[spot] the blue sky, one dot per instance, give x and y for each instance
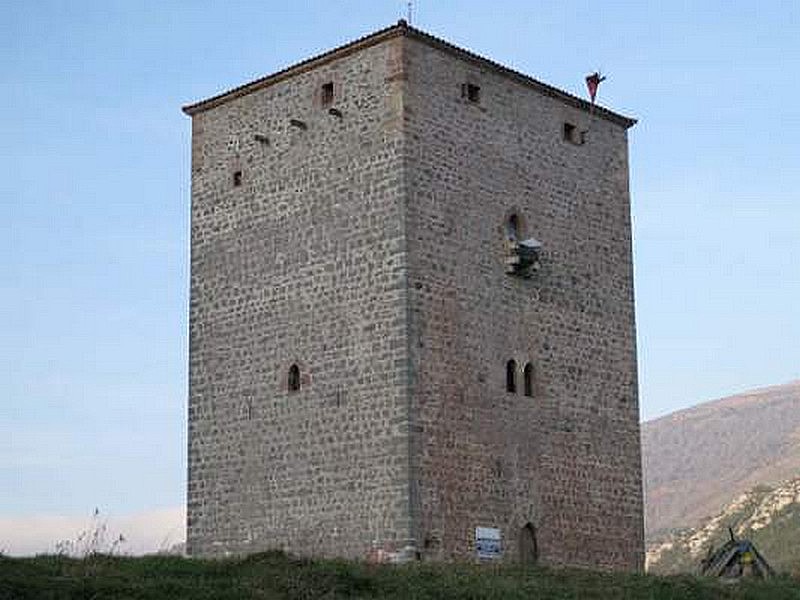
(94, 200)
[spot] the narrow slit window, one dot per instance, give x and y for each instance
(237, 178)
(327, 94)
(511, 376)
(294, 378)
(527, 375)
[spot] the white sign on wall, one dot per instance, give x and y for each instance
(488, 543)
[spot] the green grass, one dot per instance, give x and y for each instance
(276, 576)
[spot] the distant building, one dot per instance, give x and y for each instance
(412, 315)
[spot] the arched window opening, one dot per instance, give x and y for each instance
(527, 375)
(527, 545)
(511, 376)
(294, 378)
(512, 228)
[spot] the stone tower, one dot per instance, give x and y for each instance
(412, 317)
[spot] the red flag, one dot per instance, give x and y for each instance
(593, 82)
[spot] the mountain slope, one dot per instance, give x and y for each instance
(768, 516)
(697, 460)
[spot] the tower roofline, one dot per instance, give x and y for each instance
(402, 28)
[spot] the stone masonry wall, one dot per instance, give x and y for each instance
(303, 263)
(567, 461)
(369, 249)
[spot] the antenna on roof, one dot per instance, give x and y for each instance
(409, 11)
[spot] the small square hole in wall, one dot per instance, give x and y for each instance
(471, 92)
(572, 134)
(327, 93)
(237, 178)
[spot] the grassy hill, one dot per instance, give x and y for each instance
(276, 576)
(767, 515)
